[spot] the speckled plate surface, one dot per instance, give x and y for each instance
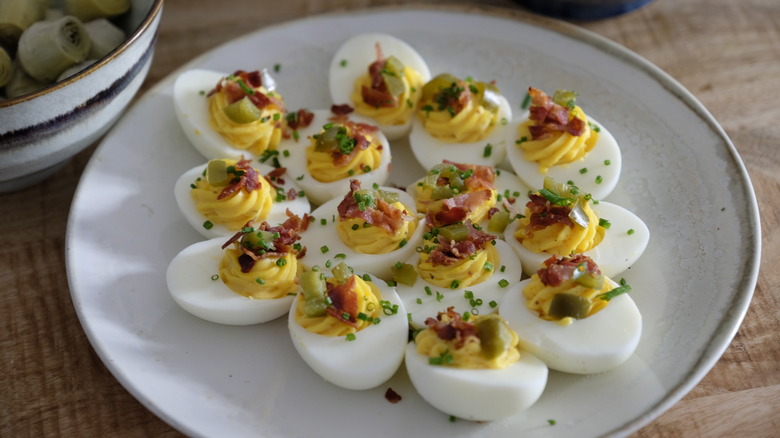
(681, 174)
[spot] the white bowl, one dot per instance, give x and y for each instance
(40, 131)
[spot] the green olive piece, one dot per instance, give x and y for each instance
(243, 111)
(565, 98)
(404, 273)
(342, 272)
(494, 335)
(263, 240)
(498, 221)
(392, 75)
(388, 196)
(569, 305)
(456, 232)
(217, 172)
(313, 287)
(328, 139)
(590, 280)
(440, 82)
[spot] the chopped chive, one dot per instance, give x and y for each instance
(351, 337)
(281, 262)
(208, 225)
(355, 227)
(599, 179)
(277, 67)
(488, 150)
(584, 170)
(454, 284)
(492, 304)
(526, 101)
(343, 63)
(504, 282)
(604, 223)
(630, 231)
(340, 255)
(487, 266)
(259, 281)
(402, 243)
(607, 162)
(215, 277)
(419, 300)
(324, 249)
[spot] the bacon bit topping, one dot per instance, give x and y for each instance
(344, 301)
(544, 213)
(450, 327)
(378, 95)
(557, 270)
(482, 177)
(251, 81)
(551, 117)
(449, 252)
(281, 246)
(300, 119)
(381, 214)
(341, 110)
(457, 208)
(246, 177)
(392, 396)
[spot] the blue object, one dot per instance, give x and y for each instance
(582, 9)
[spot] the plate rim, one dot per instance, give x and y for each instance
(712, 351)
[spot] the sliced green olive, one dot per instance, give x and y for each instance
(565, 98)
(590, 280)
(569, 305)
(498, 221)
(328, 139)
(243, 111)
(404, 273)
(313, 287)
(456, 232)
(388, 196)
(342, 272)
(392, 75)
(216, 173)
(438, 83)
(494, 334)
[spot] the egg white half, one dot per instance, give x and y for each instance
(190, 283)
(429, 150)
(319, 236)
(616, 252)
(583, 173)
(367, 361)
(352, 59)
(293, 157)
(594, 344)
(478, 395)
(508, 268)
(277, 215)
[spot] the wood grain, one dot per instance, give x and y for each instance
(727, 53)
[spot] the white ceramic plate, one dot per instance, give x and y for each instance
(681, 174)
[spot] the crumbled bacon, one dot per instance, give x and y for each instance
(482, 177)
(377, 95)
(344, 301)
(384, 215)
(249, 180)
(557, 270)
(450, 327)
(551, 117)
(449, 252)
(544, 213)
(392, 396)
(457, 208)
(301, 119)
(341, 110)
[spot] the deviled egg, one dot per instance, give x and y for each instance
(218, 198)
(472, 368)
(561, 220)
(248, 279)
(368, 228)
(460, 118)
(238, 115)
(381, 77)
(350, 329)
(456, 266)
(573, 317)
(330, 149)
(556, 138)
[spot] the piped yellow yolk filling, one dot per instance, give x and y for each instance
(236, 209)
(369, 296)
(365, 238)
(557, 148)
(269, 278)
(538, 297)
(463, 273)
(426, 204)
(561, 239)
(255, 137)
(407, 101)
(473, 123)
(321, 167)
(469, 355)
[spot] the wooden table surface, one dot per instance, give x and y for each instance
(726, 52)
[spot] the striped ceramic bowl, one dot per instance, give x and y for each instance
(40, 131)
